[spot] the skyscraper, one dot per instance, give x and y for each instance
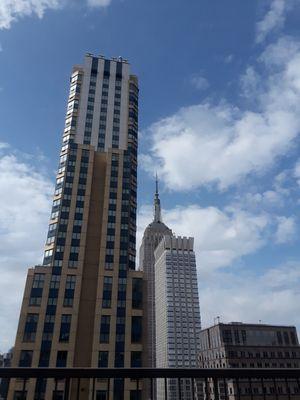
(152, 236)
(83, 306)
(177, 312)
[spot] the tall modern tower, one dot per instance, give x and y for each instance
(177, 312)
(152, 236)
(83, 306)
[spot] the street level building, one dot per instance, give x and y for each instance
(177, 312)
(239, 345)
(83, 306)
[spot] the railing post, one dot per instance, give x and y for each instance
(206, 389)
(151, 388)
(179, 388)
(225, 389)
(216, 388)
(78, 389)
(193, 388)
(108, 388)
(166, 389)
(55, 388)
(93, 389)
(263, 388)
(238, 389)
(67, 389)
(288, 389)
(250, 386)
(24, 389)
(137, 388)
(275, 386)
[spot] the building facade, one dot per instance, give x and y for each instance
(153, 234)
(239, 345)
(83, 306)
(177, 312)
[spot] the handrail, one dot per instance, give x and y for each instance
(229, 373)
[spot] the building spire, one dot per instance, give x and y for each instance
(157, 209)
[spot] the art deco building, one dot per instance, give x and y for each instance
(177, 312)
(152, 236)
(83, 306)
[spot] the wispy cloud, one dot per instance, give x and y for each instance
(199, 82)
(274, 18)
(98, 3)
(13, 10)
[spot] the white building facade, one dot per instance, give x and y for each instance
(178, 321)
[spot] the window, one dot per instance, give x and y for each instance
(25, 358)
(30, 327)
(70, 282)
(107, 289)
(136, 329)
(35, 301)
(54, 283)
(38, 281)
(65, 328)
(136, 359)
(137, 293)
(101, 395)
(61, 360)
(105, 329)
(103, 359)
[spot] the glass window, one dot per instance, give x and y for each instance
(103, 359)
(25, 358)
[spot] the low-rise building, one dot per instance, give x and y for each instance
(239, 345)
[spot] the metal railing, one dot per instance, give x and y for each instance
(203, 384)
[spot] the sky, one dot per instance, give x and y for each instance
(219, 122)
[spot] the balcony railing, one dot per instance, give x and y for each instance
(173, 383)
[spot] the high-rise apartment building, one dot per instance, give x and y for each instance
(239, 345)
(177, 312)
(153, 234)
(83, 306)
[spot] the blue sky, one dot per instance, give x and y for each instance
(219, 121)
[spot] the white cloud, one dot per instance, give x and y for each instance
(237, 293)
(271, 296)
(98, 3)
(274, 19)
(199, 82)
(221, 236)
(13, 10)
(24, 214)
(221, 144)
(286, 229)
(228, 59)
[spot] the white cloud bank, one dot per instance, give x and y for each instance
(272, 296)
(222, 238)
(221, 144)
(13, 10)
(24, 214)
